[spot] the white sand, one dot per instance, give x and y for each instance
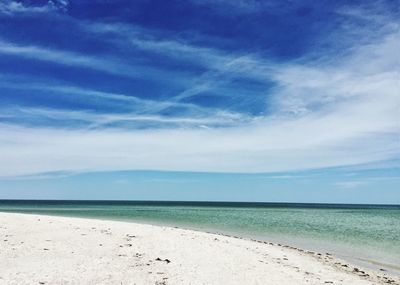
(56, 250)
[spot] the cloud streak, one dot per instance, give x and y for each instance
(130, 108)
(97, 120)
(10, 7)
(98, 63)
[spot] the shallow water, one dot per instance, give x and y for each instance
(365, 234)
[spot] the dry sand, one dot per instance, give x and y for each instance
(37, 249)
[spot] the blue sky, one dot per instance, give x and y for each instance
(105, 96)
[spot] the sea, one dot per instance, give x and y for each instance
(367, 235)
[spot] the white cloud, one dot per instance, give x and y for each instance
(273, 147)
(10, 7)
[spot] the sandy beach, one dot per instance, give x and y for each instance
(36, 249)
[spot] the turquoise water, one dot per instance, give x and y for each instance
(367, 234)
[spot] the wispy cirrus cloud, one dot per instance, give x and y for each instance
(233, 64)
(129, 108)
(352, 184)
(236, 7)
(366, 181)
(106, 65)
(220, 67)
(11, 7)
(97, 120)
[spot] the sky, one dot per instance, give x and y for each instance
(246, 100)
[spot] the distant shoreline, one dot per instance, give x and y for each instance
(70, 243)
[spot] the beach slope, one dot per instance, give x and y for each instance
(37, 249)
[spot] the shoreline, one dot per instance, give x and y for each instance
(329, 258)
(369, 264)
(356, 262)
(336, 271)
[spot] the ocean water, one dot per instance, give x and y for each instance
(368, 235)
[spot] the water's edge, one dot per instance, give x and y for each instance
(335, 261)
(365, 235)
